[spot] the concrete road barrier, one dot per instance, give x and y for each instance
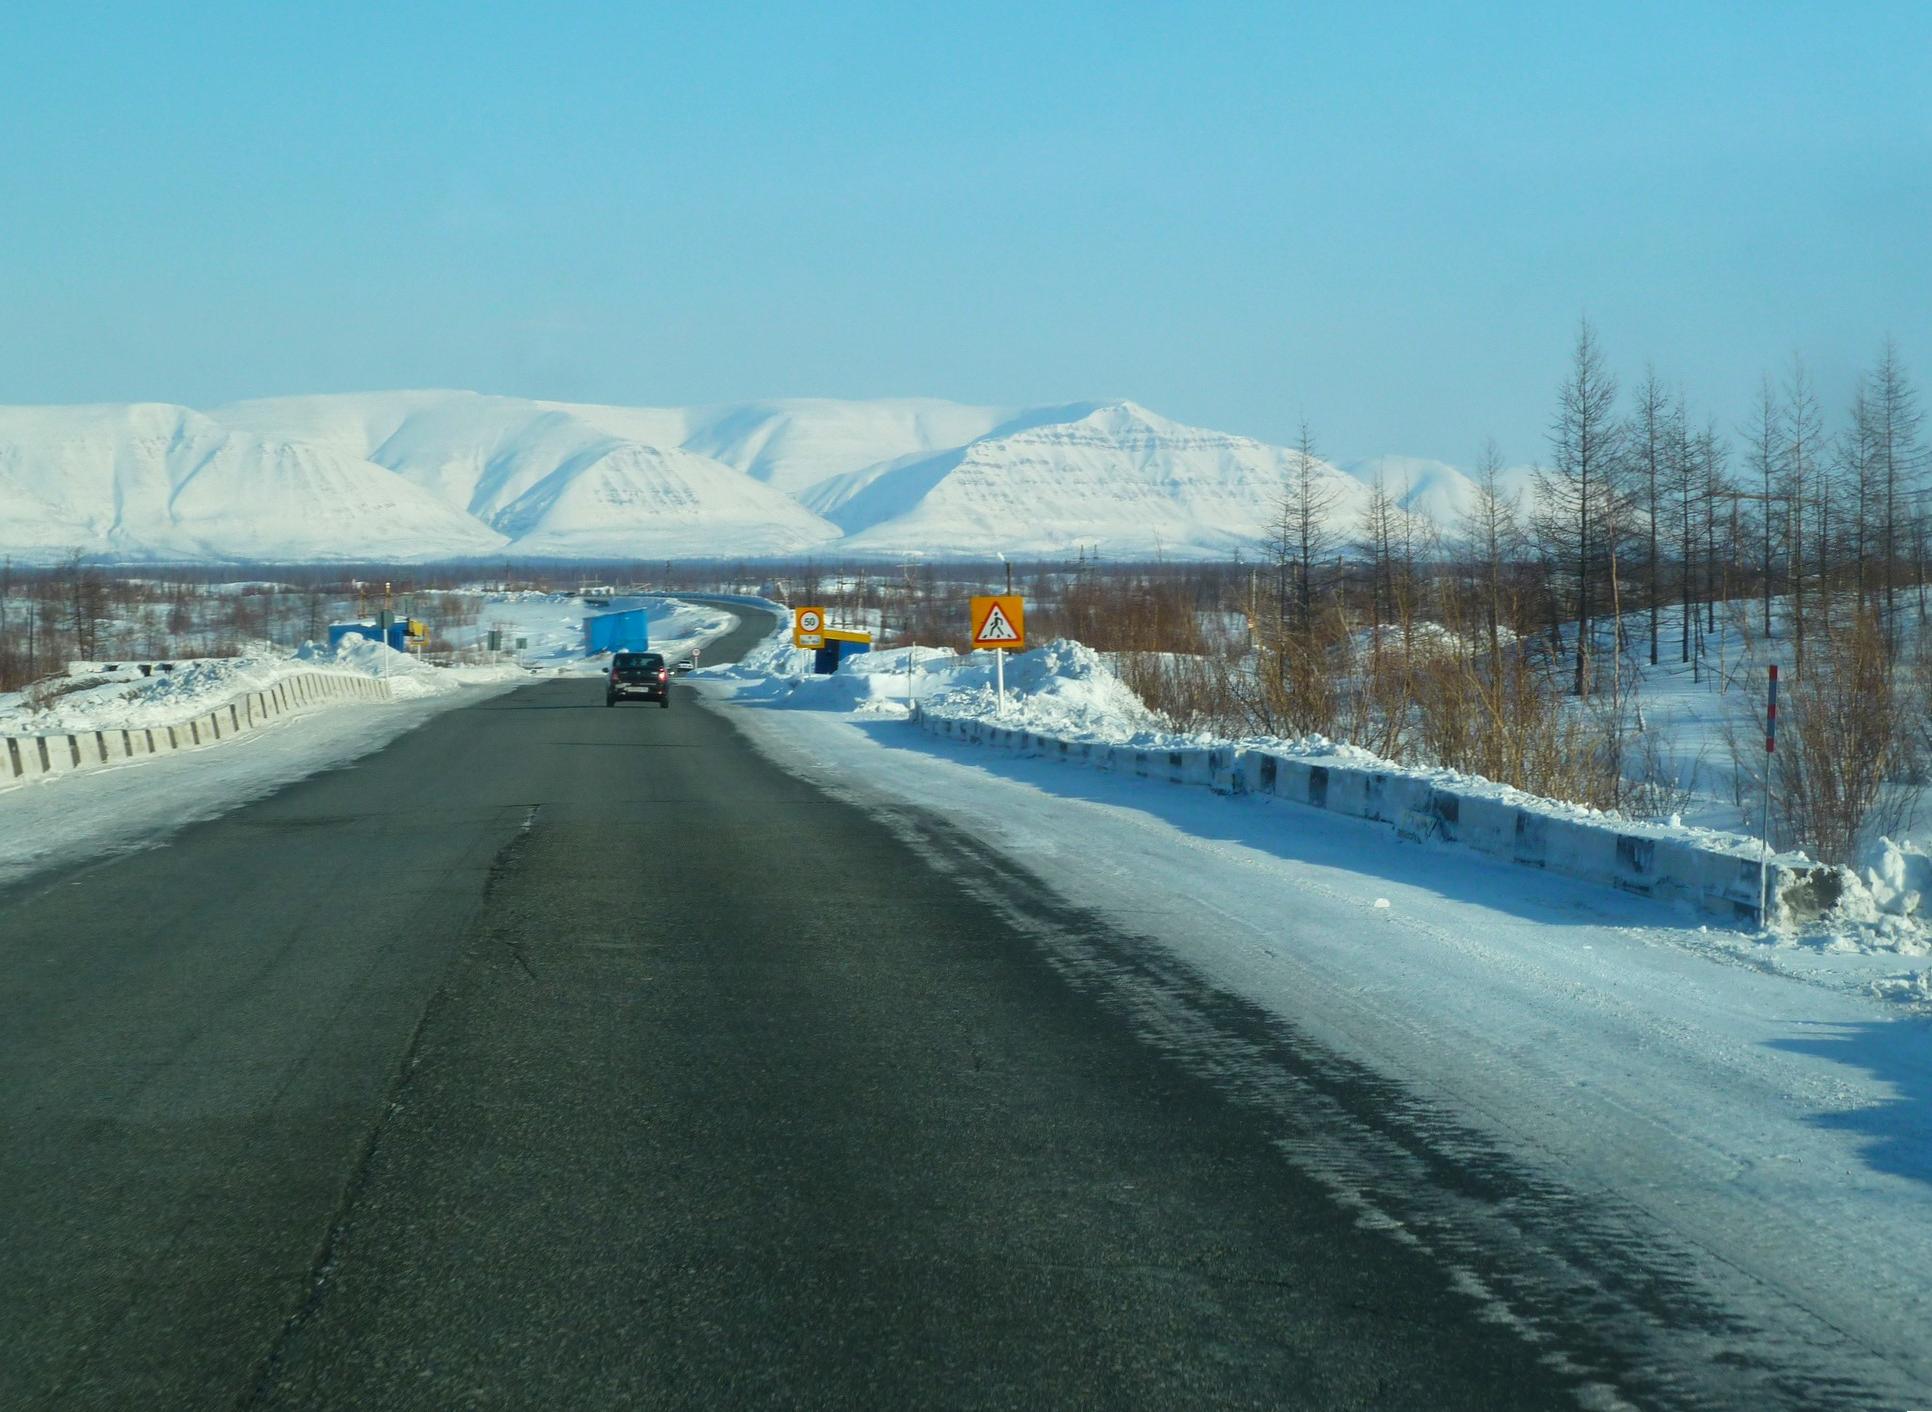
(27, 758)
(1714, 876)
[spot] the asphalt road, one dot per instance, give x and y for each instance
(559, 1056)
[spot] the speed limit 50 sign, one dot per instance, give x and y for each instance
(808, 627)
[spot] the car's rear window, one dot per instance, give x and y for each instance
(641, 661)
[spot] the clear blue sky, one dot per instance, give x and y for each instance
(1388, 217)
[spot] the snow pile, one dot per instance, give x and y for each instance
(123, 702)
(1063, 687)
(775, 673)
(1882, 902)
(409, 679)
(1426, 640)
(1914, 988)
(127, 702)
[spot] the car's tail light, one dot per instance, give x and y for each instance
(663, 676)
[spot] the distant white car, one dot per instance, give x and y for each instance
(683, 665)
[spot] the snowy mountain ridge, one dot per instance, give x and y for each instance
(419, 475)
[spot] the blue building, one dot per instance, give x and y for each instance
(628, 631)
(840, 643)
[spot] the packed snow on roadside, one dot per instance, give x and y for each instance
(1744, 1108)
(1062, 688)
(1066, 689)
(126, 702)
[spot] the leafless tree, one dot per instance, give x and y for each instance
(1763, 445)
(1378, 548)
(1892, 406)
(1576, 492)
(1803, 435)
(1305, 536)
(1649, 445)
(1491, 527)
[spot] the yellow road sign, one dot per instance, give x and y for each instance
(808, 627)
(999, 620)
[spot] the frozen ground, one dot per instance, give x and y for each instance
(1746, 1114)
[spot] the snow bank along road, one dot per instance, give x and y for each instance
(563, 1056)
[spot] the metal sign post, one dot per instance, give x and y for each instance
(1770, 752)
(999, 622)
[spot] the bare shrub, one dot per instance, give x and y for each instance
(1194, 691)
(1296, 688)
(1850, 727)
(1534, 737)
(1375, 692)
(1665, 786)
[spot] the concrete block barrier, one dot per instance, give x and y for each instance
(28, 758)
(1714, 878)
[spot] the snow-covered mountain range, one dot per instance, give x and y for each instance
(443, 475)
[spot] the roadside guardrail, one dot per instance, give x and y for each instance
(1711, 876)
(27, 758)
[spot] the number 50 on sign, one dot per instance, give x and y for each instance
(808, 627)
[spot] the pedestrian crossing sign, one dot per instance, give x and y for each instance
(999, 620)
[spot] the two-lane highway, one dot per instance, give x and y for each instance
(563, 1056)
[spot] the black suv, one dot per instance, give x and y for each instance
(638, 675)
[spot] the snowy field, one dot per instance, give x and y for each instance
(1748, 1111)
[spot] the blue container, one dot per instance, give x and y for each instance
(398, 633)
(628, 631)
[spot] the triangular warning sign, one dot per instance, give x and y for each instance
(996, 628)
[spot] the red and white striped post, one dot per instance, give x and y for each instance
(1770, 750)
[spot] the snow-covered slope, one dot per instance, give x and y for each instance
(442, 474)
(1118, 476)
(1434, 490)
(150, 480)
(480, 453)
(622, 500)
(793, 444)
